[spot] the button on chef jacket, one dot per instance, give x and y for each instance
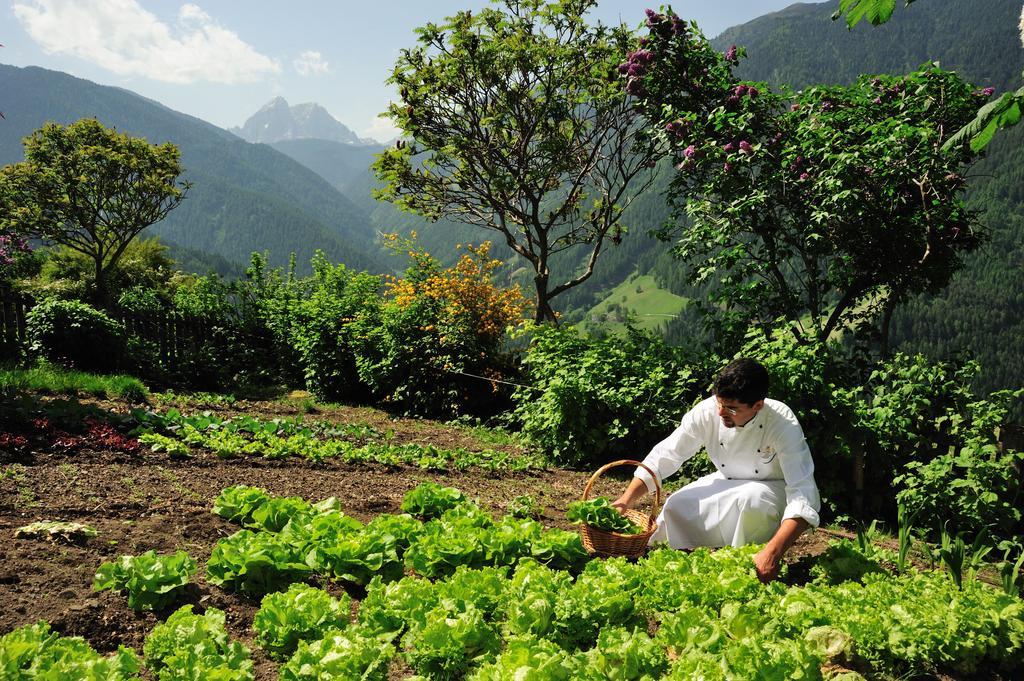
(721, 508)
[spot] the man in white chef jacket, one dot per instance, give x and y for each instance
(763, 487)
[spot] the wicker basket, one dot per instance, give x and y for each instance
(602, 542)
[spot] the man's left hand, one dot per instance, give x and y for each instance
(767, 563)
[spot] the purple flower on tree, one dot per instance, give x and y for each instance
(731, 53)
(746, 148)
(635, 87)
(641, 56)
(805, 176)
(690, 151)
(988, 91)
(676, 128)
(728, 147)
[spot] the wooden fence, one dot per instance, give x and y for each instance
(12, 324)
(171, 336)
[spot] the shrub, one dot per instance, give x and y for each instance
(976, 488)
(596, 399)
(906, 419)
(75, 334)
(438, 324)
(326, 325)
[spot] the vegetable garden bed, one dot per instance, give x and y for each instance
(150, 501)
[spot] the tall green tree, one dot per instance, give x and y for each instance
(817, 210)
(91, 189)
(516, 122)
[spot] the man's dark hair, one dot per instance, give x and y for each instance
(744, 380)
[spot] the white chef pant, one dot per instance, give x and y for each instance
(715, 511)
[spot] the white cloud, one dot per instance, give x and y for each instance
(381, 130)
(311, 63)
(121, 36)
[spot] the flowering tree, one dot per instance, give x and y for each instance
(819, 209)
(91, 189)
(1000, 113)
(12, 248)
(517, 122)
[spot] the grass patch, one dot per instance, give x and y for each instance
(638, 300)
(488, 435)
(54, 380)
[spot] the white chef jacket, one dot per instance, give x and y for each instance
(770, 447)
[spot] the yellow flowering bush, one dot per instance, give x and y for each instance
(438, 325)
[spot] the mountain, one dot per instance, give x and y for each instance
(244, 197)
(277, 121)
(345, 166)
(801, 45)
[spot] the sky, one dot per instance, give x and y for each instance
(221, 60)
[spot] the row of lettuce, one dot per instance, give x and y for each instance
(182, 436)
(455, 593)
(177, 434)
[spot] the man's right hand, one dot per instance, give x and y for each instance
(632, 496)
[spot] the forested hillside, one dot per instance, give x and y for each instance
(245, 197)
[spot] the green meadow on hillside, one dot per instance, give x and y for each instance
(638, 300)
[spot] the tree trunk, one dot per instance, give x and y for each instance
(544, 312)
(890, 306)
(99, 293)
(858, 481)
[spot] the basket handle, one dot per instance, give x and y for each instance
(628, 462)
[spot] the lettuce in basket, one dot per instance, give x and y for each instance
(600, 514)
